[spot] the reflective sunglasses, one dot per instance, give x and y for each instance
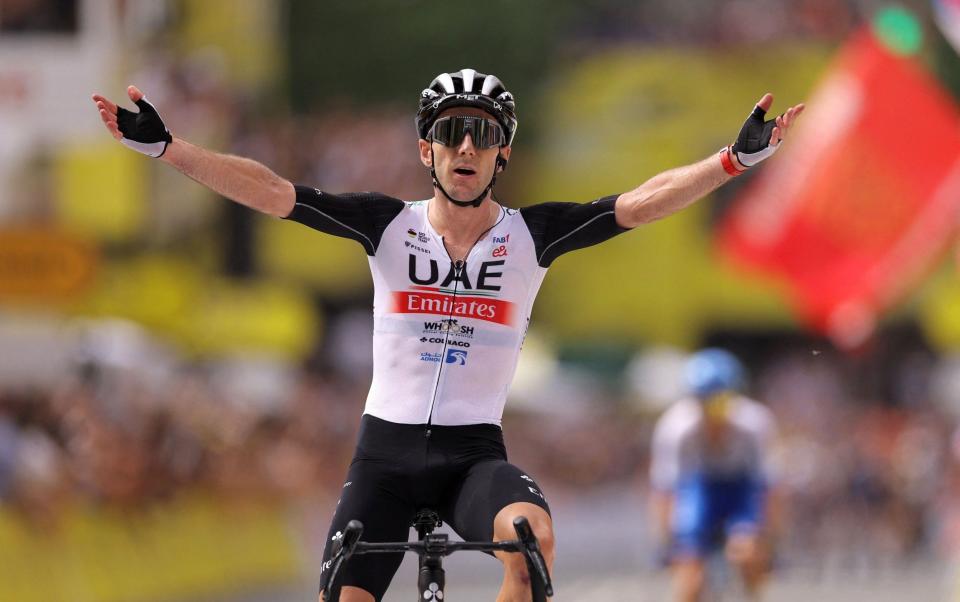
(450, 131)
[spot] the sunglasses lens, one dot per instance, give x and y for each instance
(441, 131)
(450, 131)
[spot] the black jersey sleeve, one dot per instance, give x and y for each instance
(561, 227)
(362, 216)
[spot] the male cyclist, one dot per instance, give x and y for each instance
(711, 473)
(454, 277)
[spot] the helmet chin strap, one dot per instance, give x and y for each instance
(475, 202)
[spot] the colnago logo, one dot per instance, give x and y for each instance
(432, 593)
(450, 342)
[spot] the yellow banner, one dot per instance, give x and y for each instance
(207, 314)
(190, 548)
(626, 116)
(101, 190)
(42, 264)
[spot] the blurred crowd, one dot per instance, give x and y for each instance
(870, 484)
(106, 436)
(869, 477)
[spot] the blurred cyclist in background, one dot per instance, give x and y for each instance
(712, 476)
(455, 277)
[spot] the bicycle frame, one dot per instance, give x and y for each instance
(431, 548)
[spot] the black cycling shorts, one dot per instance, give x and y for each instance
(460, 471)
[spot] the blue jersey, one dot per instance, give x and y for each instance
(718, 485)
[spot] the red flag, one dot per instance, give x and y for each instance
(864, 197)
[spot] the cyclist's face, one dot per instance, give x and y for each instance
(716, 413)
(464, 170)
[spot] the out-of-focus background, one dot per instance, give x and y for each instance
(181, 379)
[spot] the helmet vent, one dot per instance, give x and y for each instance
(468, 75)
(446, 81)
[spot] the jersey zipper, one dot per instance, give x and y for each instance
(458, 267)
(458, 270)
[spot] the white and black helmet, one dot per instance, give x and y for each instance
(467, 88)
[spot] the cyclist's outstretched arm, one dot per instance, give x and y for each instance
(242, 180)
(672, 190)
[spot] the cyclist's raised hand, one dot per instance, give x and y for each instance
(144, 132)
(759, 138)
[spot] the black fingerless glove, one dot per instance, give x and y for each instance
(145, 131)
(753, 142)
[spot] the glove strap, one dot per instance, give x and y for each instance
(727, 162)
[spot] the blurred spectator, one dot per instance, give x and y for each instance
(38, 16)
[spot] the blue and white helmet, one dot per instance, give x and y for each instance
(467, 88)
(713, 370)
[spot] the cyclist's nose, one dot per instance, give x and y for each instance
(466, 145)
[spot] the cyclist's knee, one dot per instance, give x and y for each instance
(745, 551)
(540, 523)
(538, 518)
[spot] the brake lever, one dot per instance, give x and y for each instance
(342, 550)
(531, 549)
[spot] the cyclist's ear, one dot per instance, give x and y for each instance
(426, 157)
(503, 155)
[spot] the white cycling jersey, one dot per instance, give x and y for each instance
(447, 337)
(681, 450)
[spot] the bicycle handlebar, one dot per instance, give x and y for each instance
(349, 544)
(420, 547)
